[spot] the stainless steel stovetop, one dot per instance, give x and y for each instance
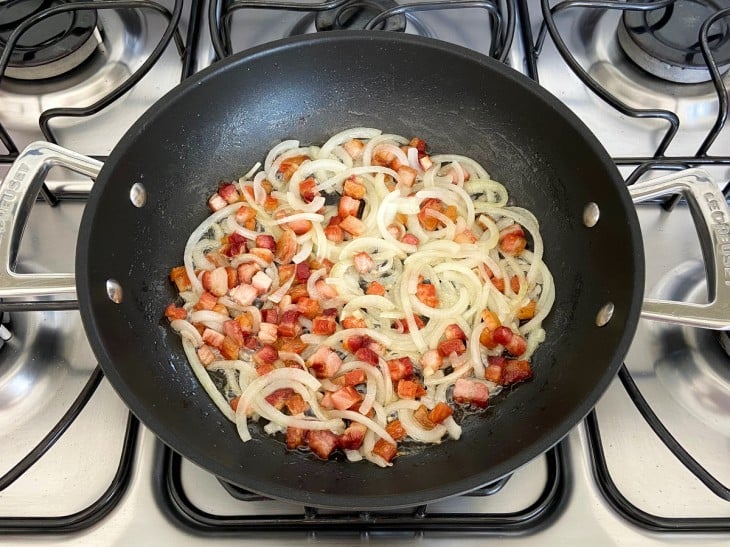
(612, 481)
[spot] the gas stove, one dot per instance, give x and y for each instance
(648, 466)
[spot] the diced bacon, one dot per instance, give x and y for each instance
(403, 324)
(289, 166)
(278, 398)
(491, 321)
(229, 193)
(287, 246)
(426, 293)
(453, 345)
(244, 214)
(216, 202)
(261, 282)
(345, 398)
(216, 281)
(512, 241)
(291, 345)
(419, 144)
(271, 203)
(516, 346)
(410, 389)
(297, 292)
(498, 283)
(382, 157)
(467, 236)
(425, 162)
(324, 325)
(400, 368)
(308, 307)
(354, 148)
(233, 330)
(440, 412)
(231, 277)
(528, 311)
(364, 263)
(502, 335)
(410, 239)
(421, 415)
(353, 323)
(307, 189)
(396, 430)
(179, 276)
(220, 308)
(206, 301)
(395, 230)
(245, 322)
(213, 338)
(266, 241)
(354, 189)
(514, 284)
(264, 254)
(353, 226)
(367, 355)
(334, 234)
(267, 333)
(302, 271)
(516, 371)
(326, 401)
(322, 442)
(325, 362)
(348, 207)
(431, 361)
(355, 342)
(266, 355)
(172, 312)
(353, 436)
(375, 288)
(407, 175)
(385, 450)
(246, 272)
(351, 378)
(300, 227)
(296, 404)
(289, 326)
(270, 315)
(244, 294)
(250, 341)
(218, 259)
(206, 355)
(454, 331)
(234, 403)
(495, 366)
(263, 370)
(295, 437)
(471, 392)
(230, 348)
(325, 290)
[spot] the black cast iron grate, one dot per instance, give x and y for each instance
(415, 521)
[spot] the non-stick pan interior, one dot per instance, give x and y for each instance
(220, 122)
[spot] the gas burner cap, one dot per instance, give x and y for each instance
(51, 47)
(356, 14)
(665, 41)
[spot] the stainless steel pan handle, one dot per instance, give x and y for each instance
(712, 217)
(18, 192)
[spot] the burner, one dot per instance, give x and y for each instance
(665, 41)
(53, 46)
(356, 14)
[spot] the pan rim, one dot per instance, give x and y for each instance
(349, 501)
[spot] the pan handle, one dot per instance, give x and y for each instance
(711, 214)
(18, 192)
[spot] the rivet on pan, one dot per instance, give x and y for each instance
(604, 314)
(138, 195)
(114, 291)
(591, 214)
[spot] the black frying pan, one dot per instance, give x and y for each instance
(221, 121)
